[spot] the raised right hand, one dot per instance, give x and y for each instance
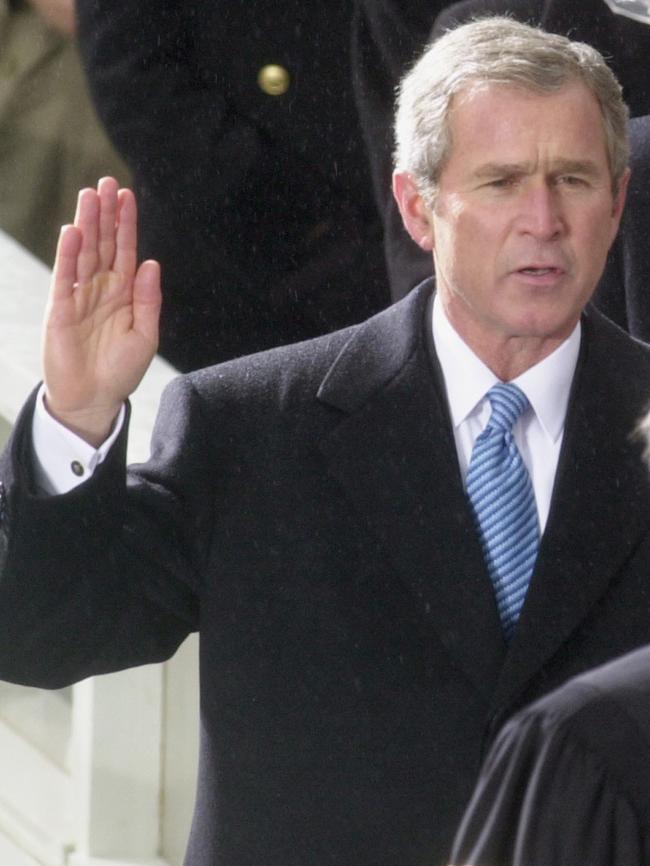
(101, 324)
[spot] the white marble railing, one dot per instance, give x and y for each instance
(106, 776)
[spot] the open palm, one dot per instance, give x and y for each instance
(101, 327)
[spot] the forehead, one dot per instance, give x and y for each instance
(504, 122)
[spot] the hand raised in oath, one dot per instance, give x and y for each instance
(101, 323)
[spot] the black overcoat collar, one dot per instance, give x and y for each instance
(394, 454)
(600, 509)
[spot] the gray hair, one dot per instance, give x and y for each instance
(496, 50)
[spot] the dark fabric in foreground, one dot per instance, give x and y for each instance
(568, 779)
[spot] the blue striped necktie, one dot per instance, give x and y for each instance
(503, 502)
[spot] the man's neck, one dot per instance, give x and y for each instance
(509, 357)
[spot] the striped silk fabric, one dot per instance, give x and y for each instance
(503, 502)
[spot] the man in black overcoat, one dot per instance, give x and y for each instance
(305, 509)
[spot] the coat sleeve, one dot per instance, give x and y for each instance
(106, 576)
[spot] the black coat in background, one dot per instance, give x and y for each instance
(388, 36)
(568, 779)
(259, 207)
(305, 511)
(623, 41)
(624, 289)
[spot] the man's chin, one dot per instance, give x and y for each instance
(540, 326)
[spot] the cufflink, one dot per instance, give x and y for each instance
(77, 468)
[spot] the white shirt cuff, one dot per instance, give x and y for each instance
(63, 461)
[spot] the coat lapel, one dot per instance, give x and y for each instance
(600, 507)
(394, 455)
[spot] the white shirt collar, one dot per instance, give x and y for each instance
(467, 379)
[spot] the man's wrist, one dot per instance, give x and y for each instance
(94, 426)
(62, 460)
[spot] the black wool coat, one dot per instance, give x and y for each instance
(304, 510)
(622, 293)
(258, 205)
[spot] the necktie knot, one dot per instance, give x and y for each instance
(508, 403)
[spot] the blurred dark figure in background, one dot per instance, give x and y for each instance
(623, 36)
(622, 293)
(51, 141)
(388, 35)
(606, 24)
(567, 780)
(239, 124)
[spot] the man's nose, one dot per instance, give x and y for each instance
(541, 211)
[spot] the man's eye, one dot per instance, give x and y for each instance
(570, 180)
(502, 182)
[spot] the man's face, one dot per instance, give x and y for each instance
(525, 213)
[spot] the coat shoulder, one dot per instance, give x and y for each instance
(289, 376)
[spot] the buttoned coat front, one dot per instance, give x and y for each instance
(304, 510)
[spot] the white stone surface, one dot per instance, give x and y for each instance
(43, 719)
(11, 855)
(133, 740)
(35, 801)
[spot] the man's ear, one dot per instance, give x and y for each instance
(416, 216)
(619, 205)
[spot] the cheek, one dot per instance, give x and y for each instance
(451, 256)
(470, 244)
(598, 232)
(593, 249)
(459, 236)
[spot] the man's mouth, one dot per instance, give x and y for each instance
(540, 272)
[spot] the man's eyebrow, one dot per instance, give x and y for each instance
(558, 166)
(492, 169)
(576, 166)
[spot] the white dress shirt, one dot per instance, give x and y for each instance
(63, 460)
(538, 432)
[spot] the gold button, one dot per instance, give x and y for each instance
(273, 79)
